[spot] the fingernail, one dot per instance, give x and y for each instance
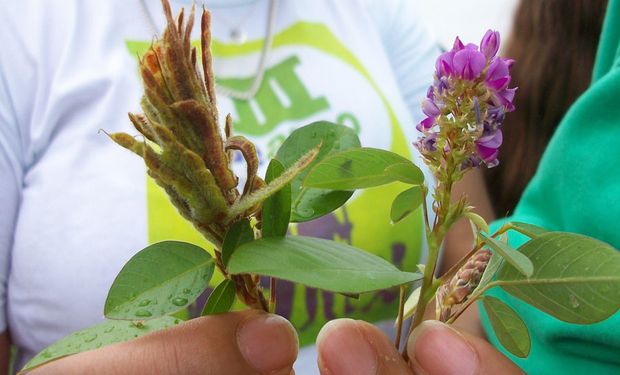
(268, 343)
(435, 348)
(344, 350)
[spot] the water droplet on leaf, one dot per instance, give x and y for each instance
(187, 291)
(573, 301)
(109, 329)
(179, 301)
(145, 302)
(143, 313)
(90, 338)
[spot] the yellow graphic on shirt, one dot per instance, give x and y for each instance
(364, 222)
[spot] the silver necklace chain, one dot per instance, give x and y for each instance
(262, 61)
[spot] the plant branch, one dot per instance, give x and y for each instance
(401, 318)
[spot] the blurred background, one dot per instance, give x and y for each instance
(468, 19)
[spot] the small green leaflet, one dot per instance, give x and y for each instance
(100, 335)
(512, 256)
(478, 221)
(318, 263)
(160, 279)
(361, 168)
(221, 299)
(310, 203)
(529, 230)
(576, 278)
(276, 212)
(239, 233)
(493, 266)
(405, 203)
(510, 330)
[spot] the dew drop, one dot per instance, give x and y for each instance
(90, 338)
(573, 301)
(109, 329)
(187, 291)
(144, 302)
(143, 313)
(179, 301)
(132, 297)
(305, 212)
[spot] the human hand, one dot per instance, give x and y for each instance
(349, 347)
(242, 343)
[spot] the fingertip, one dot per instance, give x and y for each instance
(268, 343)
(435, 348)
(344, 349)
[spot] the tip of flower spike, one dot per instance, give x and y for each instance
(490, 43)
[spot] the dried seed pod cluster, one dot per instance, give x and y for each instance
(452, 295)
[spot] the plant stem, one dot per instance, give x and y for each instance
(434, 238)
(401, 313)
(272, 294)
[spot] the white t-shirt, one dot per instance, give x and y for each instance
(74, 207)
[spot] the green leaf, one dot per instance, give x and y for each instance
(478, 221)
(318, 263)
(100, 335)
(239, 233)
(276, 212)
(405, 203)
(407, 172)
(160, 279)
(576, 278)
(512, 256)
(529, 230)
(508, 326)
(493, 266)
(221, 299)
(357, 168)
(247, 202)
(310, 203)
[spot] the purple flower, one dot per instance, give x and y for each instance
(468, 63)
(430, 108)
(443, 66)
(490, 44)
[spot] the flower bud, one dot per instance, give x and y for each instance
(490, 44)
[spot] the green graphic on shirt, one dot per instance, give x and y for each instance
(363, 222)
(282, 97)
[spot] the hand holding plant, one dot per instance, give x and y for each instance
(316, 171)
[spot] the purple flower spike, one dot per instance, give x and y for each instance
(466, 106)
(469, 63)
(490, 44)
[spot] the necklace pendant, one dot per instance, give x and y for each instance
(238, 36)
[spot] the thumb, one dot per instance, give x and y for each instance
(437, 349)
(240, 343)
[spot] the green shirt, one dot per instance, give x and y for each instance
(577, 189)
